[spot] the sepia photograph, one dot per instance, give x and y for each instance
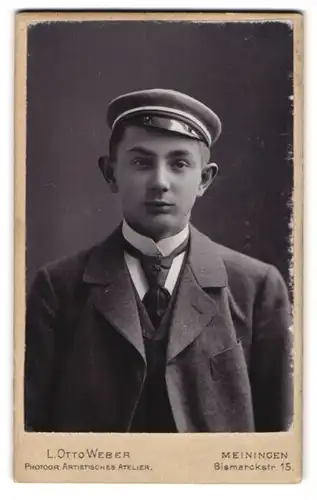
(157, 264)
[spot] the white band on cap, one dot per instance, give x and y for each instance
(170, 111)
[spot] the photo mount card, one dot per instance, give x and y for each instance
(122, 122)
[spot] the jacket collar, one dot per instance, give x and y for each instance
(106, 260)
(206, 264)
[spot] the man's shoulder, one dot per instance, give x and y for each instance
(235, 262)
(247, 273)
(73, 263)
(69, 270)
(247, 277)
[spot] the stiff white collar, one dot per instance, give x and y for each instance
(148, 246)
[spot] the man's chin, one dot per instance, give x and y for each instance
(159, 226)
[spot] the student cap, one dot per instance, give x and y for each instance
(166, 109)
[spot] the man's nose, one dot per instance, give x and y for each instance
(160, 176)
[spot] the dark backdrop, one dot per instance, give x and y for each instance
(243, 71)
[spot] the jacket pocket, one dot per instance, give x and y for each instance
(230, 361)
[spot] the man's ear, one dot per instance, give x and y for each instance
(208, 174)
(107, 170)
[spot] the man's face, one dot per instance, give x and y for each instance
(158, 176)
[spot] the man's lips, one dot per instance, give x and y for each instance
(158, 203)
(158, 206)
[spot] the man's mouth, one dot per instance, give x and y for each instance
(158, 206)
(158, 203)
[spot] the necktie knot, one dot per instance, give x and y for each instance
(155, 267)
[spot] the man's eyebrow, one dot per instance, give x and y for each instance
(141, 150)
(144, 151)
(179, 152)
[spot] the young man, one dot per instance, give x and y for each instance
(158, 329)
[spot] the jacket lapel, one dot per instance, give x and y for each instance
(194, 308)
(112, 290)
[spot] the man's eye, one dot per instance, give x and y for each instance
(180, 164)
(141, 162)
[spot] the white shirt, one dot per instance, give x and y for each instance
(149, 247)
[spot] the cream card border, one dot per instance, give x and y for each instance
(184, 458)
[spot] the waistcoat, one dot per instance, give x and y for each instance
(153, 412)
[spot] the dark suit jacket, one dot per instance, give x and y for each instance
(228, 355)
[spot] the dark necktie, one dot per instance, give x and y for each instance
(156, 268)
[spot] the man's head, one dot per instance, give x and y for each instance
(159, 159)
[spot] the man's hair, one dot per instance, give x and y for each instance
(115, 139)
